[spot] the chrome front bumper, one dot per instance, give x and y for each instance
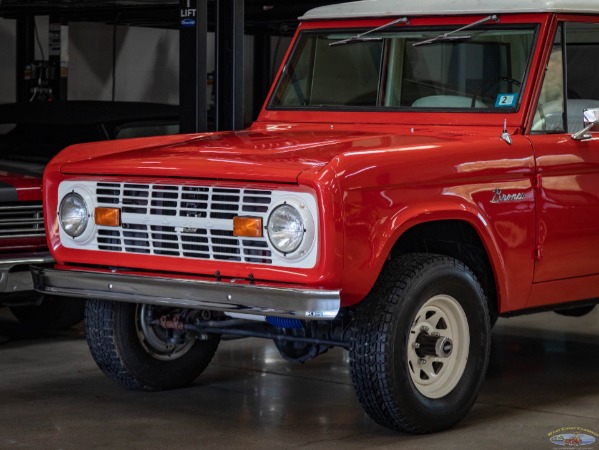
(14, 271)
(298, 303)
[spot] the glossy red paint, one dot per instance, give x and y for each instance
(355, 241)
(400, 170)
(461, 174)
(567, 208)
(261, 155)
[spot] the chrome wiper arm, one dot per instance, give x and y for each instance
(360, 37)
(448, 36)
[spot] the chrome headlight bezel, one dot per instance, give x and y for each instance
(85, 206)
(73, 214)
(305, 226)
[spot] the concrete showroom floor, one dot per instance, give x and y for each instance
(543, 380)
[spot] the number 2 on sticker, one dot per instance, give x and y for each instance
(506, 100)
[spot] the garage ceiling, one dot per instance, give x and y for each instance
(158, 13)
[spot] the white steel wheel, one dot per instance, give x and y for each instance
(420, 344)
(443, 319)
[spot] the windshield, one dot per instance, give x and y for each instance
(484, 70)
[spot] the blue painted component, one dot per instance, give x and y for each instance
(283, 322)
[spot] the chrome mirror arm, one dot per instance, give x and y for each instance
(590, 120)
(582, 134)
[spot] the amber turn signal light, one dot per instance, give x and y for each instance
(247, 226)
(109, 217)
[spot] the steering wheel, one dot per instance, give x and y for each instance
(489, 81)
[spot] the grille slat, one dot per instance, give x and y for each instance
(21, 221)
(184, 221)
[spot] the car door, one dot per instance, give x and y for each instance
(568, 169)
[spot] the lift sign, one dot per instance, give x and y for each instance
(188, 15)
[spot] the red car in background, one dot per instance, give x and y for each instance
(30, 135)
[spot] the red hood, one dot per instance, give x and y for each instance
(277, 156)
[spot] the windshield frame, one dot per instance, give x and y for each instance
(286, 116)
(302, 38)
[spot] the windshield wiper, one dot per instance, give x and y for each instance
(360, 37)
(449, 36)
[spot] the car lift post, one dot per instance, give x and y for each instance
(193, 32)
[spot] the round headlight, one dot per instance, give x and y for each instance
(74, 215)
(285, 229)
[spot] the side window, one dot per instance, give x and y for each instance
(582, 53)
(569, 86)
(550, 108)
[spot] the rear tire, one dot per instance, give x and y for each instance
(136, 353)
(579, 311)
(420, 344)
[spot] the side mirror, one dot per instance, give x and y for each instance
(591, 123)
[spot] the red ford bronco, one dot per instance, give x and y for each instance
(418, 169)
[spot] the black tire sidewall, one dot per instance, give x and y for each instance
(441, 279)
(380, 337)
(131, 364)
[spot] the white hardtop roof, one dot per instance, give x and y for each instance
(395, 8)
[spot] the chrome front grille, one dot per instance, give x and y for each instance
(21, 221)
(182, 221)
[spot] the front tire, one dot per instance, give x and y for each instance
(136, 352)
(420, 344)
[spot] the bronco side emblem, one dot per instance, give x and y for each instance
(499, 196)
